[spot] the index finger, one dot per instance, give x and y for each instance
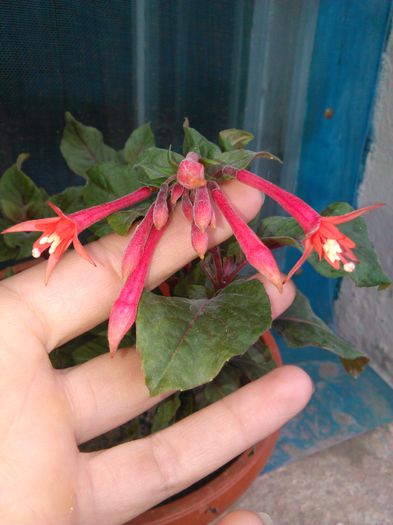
(79, 296)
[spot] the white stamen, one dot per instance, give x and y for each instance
(55, 243)
(349, 267)
(35, 253)
(43, 240)
(332, 249)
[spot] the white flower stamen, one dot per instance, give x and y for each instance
(349, 267)
(55, 240)
(35, 253)
(332, 249)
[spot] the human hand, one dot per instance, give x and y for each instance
(45, 413)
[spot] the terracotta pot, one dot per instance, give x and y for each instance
(206, 503)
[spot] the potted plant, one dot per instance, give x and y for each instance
(211, 303)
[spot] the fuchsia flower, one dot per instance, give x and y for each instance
(322, 235)
(59, 232)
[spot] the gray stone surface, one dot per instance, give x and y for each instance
(365, 316)
(348, 484)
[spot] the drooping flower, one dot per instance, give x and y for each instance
(257, 254)
(321, 233)
(59, 232)
(124, 309)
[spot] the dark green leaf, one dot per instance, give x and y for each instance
(300, 327)
(240, 158)
(154, 164)
(255, 363)
(232, 139)
(184, 343)
(20, 243)
(225, 383)
(109, 181)
(140, 139)
(165, 413)
(122, 221)
(69, 200)
(20, 198)
(83, 146)
(194, 141)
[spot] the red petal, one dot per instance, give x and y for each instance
(79, 248)
(57, 210)
(31, 226)
(339, 219)
(308, 248)
(55, 257)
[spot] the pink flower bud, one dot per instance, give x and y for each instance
(191, 174)
(202, 209)
(176, 192)
(186, 206)
(161, 210)
(253, 248)
(125, 307)
(134, 250)
(199, 241)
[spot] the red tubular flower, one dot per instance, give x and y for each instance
(331, 244)
(321, 233)
(134, 250)
(124, 309)
(257, 254)
(59, 232)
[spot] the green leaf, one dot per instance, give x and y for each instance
(184, 343)
(20, 243)
(139, 140)
(109, 181)
(69, 200)
(83, 146)
(255, 363)
(299, 326)
(233, 139)
(369, 271)
(225, 383)
(20, 198)
(194, 141)
(154, 164)
(240, 158)
(281, 231)
(122, 221)
(165, 413)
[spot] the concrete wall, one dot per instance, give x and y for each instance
(365, 316)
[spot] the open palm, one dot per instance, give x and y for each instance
(45, 413)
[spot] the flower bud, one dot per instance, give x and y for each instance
(186, 206)
(191, 174)
(161, 210)
(202, 209)
(199, 240)
(176, 192)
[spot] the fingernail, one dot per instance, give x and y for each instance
(267, 520)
